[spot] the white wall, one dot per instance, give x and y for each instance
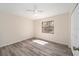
(14, 29)
(61, 29)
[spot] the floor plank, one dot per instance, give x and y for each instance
(30, 48)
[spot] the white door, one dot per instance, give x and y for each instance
(75, 31)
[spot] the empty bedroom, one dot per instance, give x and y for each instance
(38, 29)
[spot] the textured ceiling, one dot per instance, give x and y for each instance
(49, 9)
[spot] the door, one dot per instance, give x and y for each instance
(75, 31)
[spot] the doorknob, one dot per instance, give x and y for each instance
(76, 48)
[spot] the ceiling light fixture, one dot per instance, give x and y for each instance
(34, 10)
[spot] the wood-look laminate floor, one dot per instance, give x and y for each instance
(30, 48)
